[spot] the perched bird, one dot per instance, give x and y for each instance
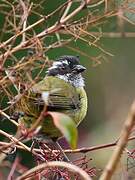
(63, 89)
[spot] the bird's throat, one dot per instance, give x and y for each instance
(76, 80)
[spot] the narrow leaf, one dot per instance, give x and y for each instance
(66, 126)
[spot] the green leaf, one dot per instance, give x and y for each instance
(66, 126)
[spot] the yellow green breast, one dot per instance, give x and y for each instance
(63, 94)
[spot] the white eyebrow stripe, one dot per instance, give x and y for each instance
(57, 63)
(65, 62)
(53, 67)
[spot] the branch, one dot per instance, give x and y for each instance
(66, 18)
(41, 167)
(8, 117)
(115, 34)
(121, 144)
(14, 141)
(79, 150)
(56, 27)
(38, 121)
(67, 9)
(33, 25)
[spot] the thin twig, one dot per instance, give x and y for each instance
(14, 165)
(33, 25)
(8, 117)
(79, 150)
(38, 121)
(96, 4)
(121, 144)
(14, 140)
(83, 4)
(56, 27)
(41, 167)
(115, 34)
(67, 9)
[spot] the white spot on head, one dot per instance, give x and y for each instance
(57, 63)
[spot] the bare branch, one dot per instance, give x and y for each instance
(79, 150)
(121, 144)
(41, 167)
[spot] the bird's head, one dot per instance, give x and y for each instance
(69, 69)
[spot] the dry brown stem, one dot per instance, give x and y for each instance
(79, 150)
(41, 167)
(121, 144)
(52, 29)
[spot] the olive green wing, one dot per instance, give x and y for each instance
(57, 94)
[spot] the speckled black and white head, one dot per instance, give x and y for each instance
(69, 69)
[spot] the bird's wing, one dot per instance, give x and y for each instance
(57, 94)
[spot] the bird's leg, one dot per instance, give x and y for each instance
(65, 158)
(47, 145)
(37, 141)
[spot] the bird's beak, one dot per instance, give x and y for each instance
(79, 68)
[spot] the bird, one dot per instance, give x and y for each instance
(63, 91)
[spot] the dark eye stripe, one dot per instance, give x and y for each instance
(64, 64)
